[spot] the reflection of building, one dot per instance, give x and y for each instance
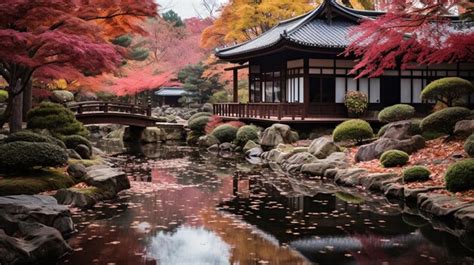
(169, 96)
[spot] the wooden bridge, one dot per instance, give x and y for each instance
(98, 112)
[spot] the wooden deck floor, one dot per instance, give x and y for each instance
(298, 120)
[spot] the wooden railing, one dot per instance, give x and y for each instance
(261, 110)
(104, 107)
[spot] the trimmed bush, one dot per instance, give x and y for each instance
(460, 176)
(199, 114)
(72, 141)
(199, 124)
(356, 102)
(398, 112)
(416, 173)
(353, 130)
(469, 145)
(28, 136)
(18, 156)
(247, 133)
(443, 121)
(56, 118)
(3, 96)
(393, 158)
(225, 133)
(447, 90)
(415, 128)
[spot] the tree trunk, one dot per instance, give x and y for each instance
(16, 118)
(27, 99)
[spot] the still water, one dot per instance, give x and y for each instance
(190, 207)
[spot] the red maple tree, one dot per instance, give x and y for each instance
(413, 33)
(61, 39)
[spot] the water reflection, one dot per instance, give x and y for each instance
(189, 207)
(188, 245)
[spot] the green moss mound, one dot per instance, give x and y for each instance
(29, 136)
(353, 130)
(21, 156)
(199, 114)
(36, 182)
(56, 118)
(199, 124)
(3, 96)
(398, 112)
(72, 141)
(225, 133)
(449, 90)
(416, 173)
(247, 133)
(393, 158)
(443, 121)
(469, 145)
(460, 176)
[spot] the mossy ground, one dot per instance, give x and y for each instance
(87, 162)
(37, 181)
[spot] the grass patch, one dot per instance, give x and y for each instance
(38, 181)
(87, 162)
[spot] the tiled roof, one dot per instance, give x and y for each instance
(319, 33)
(170, 91)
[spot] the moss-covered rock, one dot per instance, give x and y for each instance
(225, 133)
(416, 173)
(469, 145)
(20, 156)
(393, 158)
(247, 133)
(35, 182)
(72, 141)
(445, 120)
(460, 176)
(56, 118)
(398, 112)
(353, 130)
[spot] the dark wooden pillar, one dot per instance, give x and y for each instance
(306, 87)
(236, 85)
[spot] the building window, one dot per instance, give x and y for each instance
(271, 91)
(295, 86)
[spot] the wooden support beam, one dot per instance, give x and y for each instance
(236, 85)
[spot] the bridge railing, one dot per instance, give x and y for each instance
(104, 107)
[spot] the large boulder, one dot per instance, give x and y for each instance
(152, 135)
(83, 151)
(62, 96)
(110, 180)
(397, 136)
(249, 145)
(323, 147)
(34, 208)
(278, 134)
(318, 167)
(77, 171)
(81, 198)
(207, 141)
(294, 163)
(464, 128)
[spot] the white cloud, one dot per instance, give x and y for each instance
(185, 8)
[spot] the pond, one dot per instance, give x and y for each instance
(187, 206)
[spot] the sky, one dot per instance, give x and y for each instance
(185, 8)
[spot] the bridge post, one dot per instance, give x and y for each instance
(106, 107)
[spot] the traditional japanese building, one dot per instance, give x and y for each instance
(297, 70)
(169, 96)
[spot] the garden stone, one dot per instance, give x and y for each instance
(207, 141)
(464, 128)
(278, 134)
(37, 208)
(254, 152)
(77, 171)
(465, 217)
(207, 107)
(75, 198)
(439, 205)
(323, 147)
(297, 160)
(249, 145)
(152, 135)
(394, 190)
(62, 96)
(350, 176)
(107, 179)
(287, 154)
(376, 149)
(214, 148)
(272, 155)
(71, 153)
(227, 147)
(412, 194)
(399, 130)
(319, 167)
(375, 181)
(3, 137)
(83, 151)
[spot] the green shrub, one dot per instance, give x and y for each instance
(469, 145)
(72, 141)
(56, 118)
(398, 112)
(393, 158)
(28, 136)
(3, 96)
(247, 133)
(415, 128)
(443, 121)
(35, 182)
(356, 102)
(448, 90)
(199, 114)
(18, 156)
(416, 173)
(354, 130)
(199, 124)
(225, 133)
(460, 176)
